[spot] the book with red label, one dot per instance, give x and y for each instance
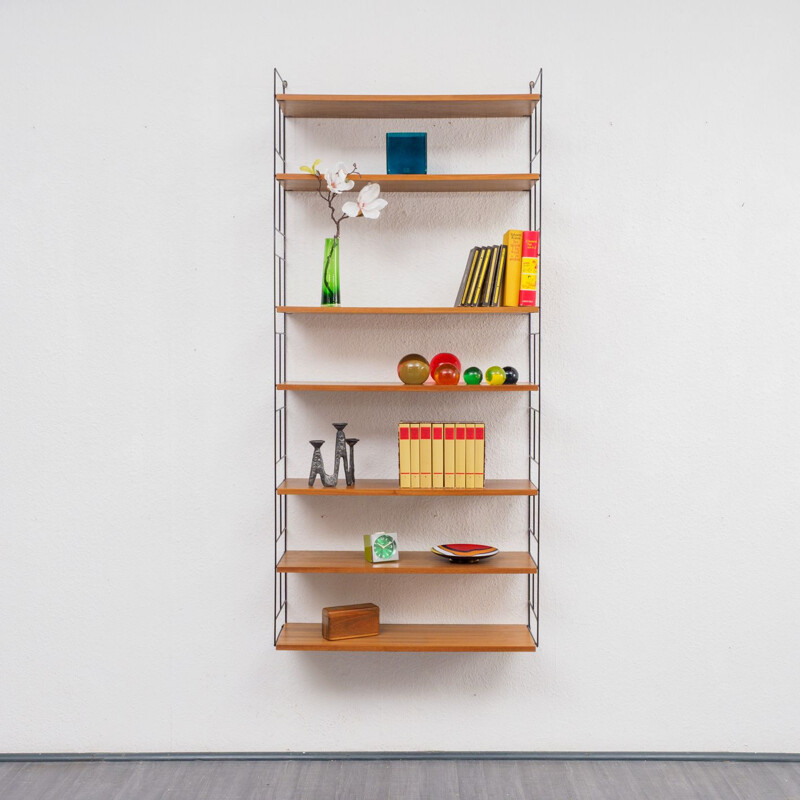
(461, 455)
(513, 242)
(413, 428)
(404, 442)
(479, 455)
(469, 461)
(529, 270)
(437, 455)
(425, 455)
(449, 455)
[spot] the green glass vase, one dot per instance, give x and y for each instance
(330, 274)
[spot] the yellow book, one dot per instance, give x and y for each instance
(480, 429)
(469, 458)
(405, 455)
(461, 455)
(485, 297)
(513, 242)
(466, 282)
(528, 281)
(413, 429)
(449, 455)
(437, 455)
(530, 268)
(425, 455)
(501, 272)
(480, 272)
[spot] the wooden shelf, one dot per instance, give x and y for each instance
(302, 182)
(313, 386)
(407, 106)
(413, 639)
(387, 486)
(376, 310)
(411, 563)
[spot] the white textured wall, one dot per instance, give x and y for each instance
(135, 252)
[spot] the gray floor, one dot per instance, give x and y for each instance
(404, 780)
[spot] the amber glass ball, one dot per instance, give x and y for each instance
(473, 376)
(512, 376)
(445, 358)
(413, 369)
(495, 376)
(446, 374)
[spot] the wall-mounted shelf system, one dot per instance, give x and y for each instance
(396, 637)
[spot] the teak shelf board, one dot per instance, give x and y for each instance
(385, 486)
(411, 563)
(413, 638)
(313, 386)
(407, 106)
(342, 310)
(302, 182)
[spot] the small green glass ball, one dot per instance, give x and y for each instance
(512, 376)
(472, 375)
(495, 376)
(413, 369)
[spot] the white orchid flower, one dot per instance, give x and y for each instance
(337, 179)
(368, 204)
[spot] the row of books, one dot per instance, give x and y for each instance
(502, 274)
(441, 455)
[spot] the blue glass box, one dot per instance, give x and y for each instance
(406, 153)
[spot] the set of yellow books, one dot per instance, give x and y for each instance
(504, 274)
(441, 455)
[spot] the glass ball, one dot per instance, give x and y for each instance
(473, 376)
(444, 358)
(495, 376)
(413, 369)
(446, 374)
(512, 376)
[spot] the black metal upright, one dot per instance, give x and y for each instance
(534, 361)
(279, 329)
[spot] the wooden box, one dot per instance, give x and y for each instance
(350, 622)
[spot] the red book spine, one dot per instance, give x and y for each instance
(530, 244)
(529, 273)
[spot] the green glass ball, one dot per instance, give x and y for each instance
(413, 369)
(495, 376)
(512, 376)
(473, 376)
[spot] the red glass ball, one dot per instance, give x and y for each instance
(446, 374)
(445, 358)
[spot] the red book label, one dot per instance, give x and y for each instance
(404, 433)
(461, 433)
(530, 244)
(425, 433)
(449, 433)
(437, 433)
(479, 433)
(415, 433)
(470, 431)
